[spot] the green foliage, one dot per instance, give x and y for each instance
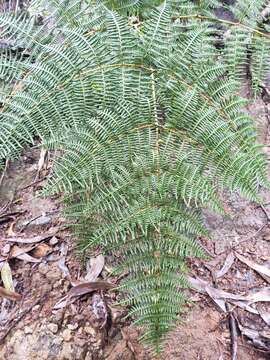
(247, 43)
(146, 117)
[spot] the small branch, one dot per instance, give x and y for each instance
(32, 184)
(234, 334)
(265, 211)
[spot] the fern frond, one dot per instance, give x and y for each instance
(249, 11)
(260, 64)
(149, 127)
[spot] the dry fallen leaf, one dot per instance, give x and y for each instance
(261, 269)
(95, 267)
(204, 286)
(28, 258)
(22, 253)
(262, 295)
(41, 250)
(226, 267)
(219, 296)
(7, 294)
(245, 306)
(89, 287)
(33, 240)
(80, 290)
(265, 316)
(17, 251)
(6, 276)
(260, 340)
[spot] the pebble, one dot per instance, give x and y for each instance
(57, 284)
(90, 330)
(43, 268)
(53, 328)
(72, 326)
(67, 335)
(28, 330)
(79, 342)
(42, 220)
(53, 241)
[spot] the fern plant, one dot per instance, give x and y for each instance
(143, 106)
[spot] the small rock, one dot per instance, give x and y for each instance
(53, 328)
(56, 284)
(42, 220)
(66, 286)
(90, 330)
(53, 241)
(67, 335)
(72, 326)
(43, 268)
(28, 330)
(80, 342)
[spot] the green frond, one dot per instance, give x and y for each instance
(236, 56)
(249, 11)
(147, 125)
(260, 64)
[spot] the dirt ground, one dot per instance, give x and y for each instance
(44, 270)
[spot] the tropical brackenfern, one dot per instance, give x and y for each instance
(144, 108)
